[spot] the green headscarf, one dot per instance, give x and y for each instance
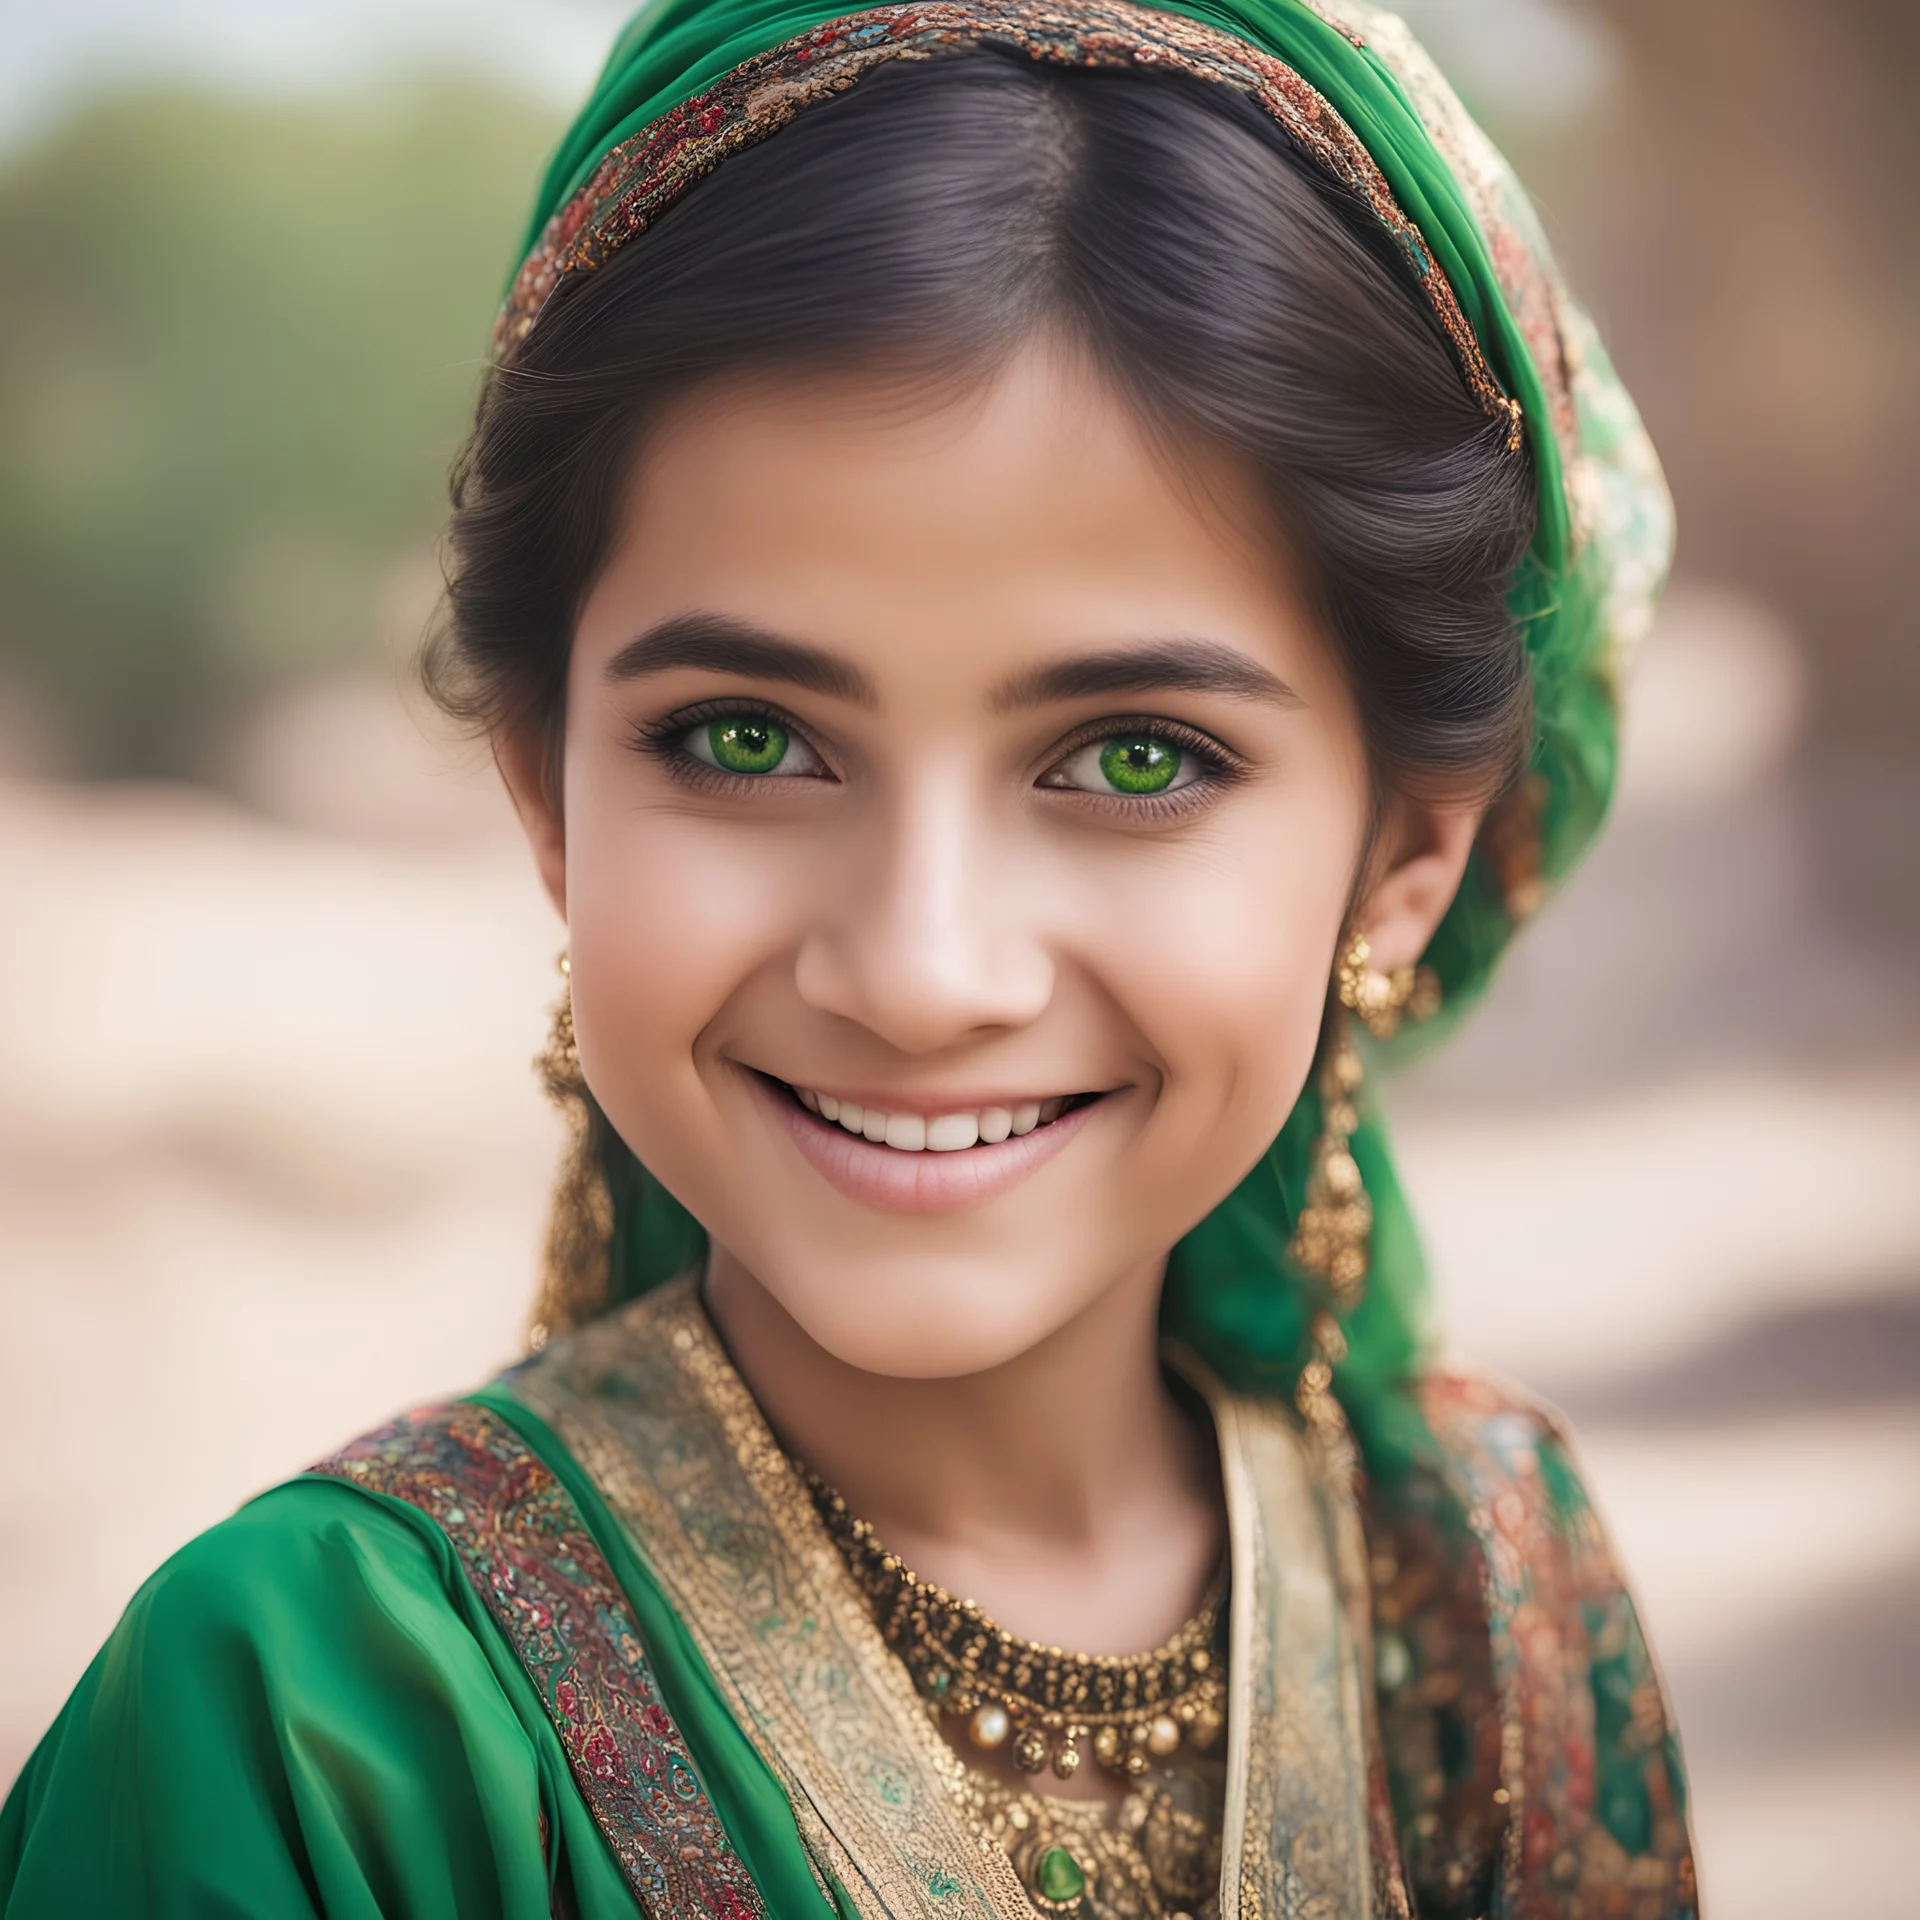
(691, 81)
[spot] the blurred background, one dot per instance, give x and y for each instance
(272, 965)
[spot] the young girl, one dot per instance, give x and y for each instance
(1043, 575)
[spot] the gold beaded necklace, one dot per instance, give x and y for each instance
(1130, 1710)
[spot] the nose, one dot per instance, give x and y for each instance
(926, 941)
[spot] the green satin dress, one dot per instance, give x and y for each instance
(310, 1711)
(580, 1645)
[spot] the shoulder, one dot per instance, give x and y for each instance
(318, 1568)
(219, 1752)
(1509, 1459)
(293, 1550)
(1510, 1644)
(310, 1584)
(1486, 1424)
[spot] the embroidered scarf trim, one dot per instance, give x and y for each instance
(641, 177)
(648, 1403)
(530, 1558)
(650, 1406)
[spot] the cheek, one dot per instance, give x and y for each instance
(668, 917)
(1223, 959)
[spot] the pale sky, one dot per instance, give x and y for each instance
(1515, 57)
(53, 52)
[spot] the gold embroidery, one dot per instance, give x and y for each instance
(648, 1403)
(639, 178)
(1295, 1840)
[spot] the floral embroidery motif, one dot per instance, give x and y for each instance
(641, 177)
(535, 1566)
(1537, 1770)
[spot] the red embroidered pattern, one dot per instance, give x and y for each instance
(1593, 1810)
(640, 178)
(531, 1560)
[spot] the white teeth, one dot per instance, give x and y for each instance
(948, 1134)
(944, 1133)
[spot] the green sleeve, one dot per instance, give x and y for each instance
(305, 1712)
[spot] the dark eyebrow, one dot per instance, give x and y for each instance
(720, 645)
(1163, 666)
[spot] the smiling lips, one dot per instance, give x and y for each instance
(924, 1163)
(938, 1133)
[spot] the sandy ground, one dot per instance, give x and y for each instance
(272, 1165)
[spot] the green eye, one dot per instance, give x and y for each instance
(1132, 766)
(750, 746)
(746, 743)
(1138, 763)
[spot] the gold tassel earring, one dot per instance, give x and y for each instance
(1333, 1236)
(574, 1265)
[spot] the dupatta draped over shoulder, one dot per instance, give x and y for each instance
(579, 1644)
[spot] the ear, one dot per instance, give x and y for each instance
(1421, 860)
(532, 783)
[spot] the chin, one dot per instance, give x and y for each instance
(936, 1319)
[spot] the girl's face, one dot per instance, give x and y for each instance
(959, 816)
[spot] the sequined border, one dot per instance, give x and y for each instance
(641, 177)
(530, 1558)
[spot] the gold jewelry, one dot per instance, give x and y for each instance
(1332, 1235)
(1332, 1240)
(1156, 1856)
(1383, 1000)
(1130, 1710)
(574, 1264)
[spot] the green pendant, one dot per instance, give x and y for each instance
(1059, 1879)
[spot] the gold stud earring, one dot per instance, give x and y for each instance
(574, 1264)
(1383, 1000)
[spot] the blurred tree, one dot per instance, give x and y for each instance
(1741, 212)
(238, 343)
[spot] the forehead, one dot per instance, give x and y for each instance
(950, 534)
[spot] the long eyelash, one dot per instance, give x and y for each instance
(1220, 766)
(661, 740)
(671, 728)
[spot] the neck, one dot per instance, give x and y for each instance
(1065, 1490)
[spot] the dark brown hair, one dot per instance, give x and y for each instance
(935, 217)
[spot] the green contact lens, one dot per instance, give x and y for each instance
(745, 743)
(1138, 763)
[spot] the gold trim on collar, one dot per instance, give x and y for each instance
(651, 1407)
(1295, 1839)
(648, 1403)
